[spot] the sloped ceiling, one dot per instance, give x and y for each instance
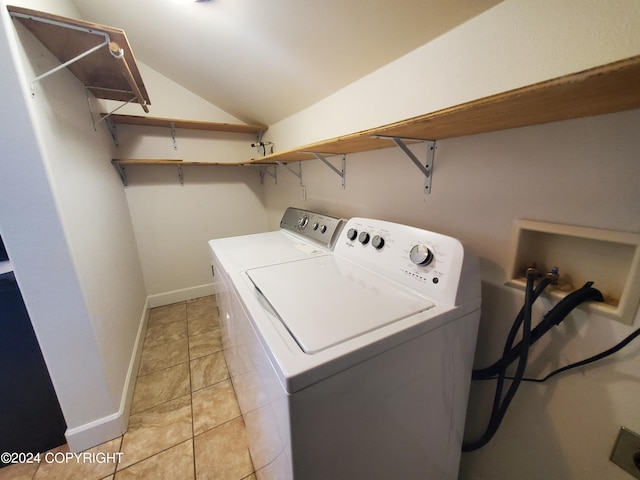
(263, 60)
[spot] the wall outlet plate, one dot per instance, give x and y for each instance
(626, 452)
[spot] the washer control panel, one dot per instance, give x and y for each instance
(317, 227)
(429, 262)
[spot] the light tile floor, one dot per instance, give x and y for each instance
(185, 421)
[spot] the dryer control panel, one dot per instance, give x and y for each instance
(317, 227)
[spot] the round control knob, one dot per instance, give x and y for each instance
(364, 238)
(377, 242)
(421, 255)
(323, 229)
(352, 234)
(303, 222)
(315, 225)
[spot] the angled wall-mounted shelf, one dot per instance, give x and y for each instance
(608, 88)
(99, 56)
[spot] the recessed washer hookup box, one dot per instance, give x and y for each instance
(610, 259)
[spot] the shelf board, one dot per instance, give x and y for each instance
(187, 124)
(353, 143)
(605, 89)
(103, 74)
(121, 164)
(156, 161)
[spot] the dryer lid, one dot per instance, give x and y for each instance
(324, 301)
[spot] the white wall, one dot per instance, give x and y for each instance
(582, 172)
(67, 223)
(70, 237)
(171, 100)
(74, 220)
(514, 44)
(174, 222)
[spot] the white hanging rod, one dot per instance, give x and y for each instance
(69, 62)
(105, 117)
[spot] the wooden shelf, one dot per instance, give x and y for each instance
(109, 73)
(155, 161)
(121, 164)
(609, 88)
(188, 124)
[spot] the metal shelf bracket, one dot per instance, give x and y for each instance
(172, 128)
(427, 168)
(112, 130)
(259, 141)
(297, 174)
(340, 173)
(265, 171)
(123, 174)
(180, 175)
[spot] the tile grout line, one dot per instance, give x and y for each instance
(168, 367)
(193, 436)
(116, 471)
(138, 376)
(120, 444)
(161, 369)
(188, 362)
(147, 458)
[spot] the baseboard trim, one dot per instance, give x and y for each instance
(181, 295)
(112, 426)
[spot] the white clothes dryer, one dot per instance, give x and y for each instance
(351, 363)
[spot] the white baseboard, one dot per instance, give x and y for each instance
(175, 296)
(110, 427)
(94, 433)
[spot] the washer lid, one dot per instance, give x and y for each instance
(324, 301)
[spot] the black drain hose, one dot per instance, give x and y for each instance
(500, 404)
(555, 316)
(498, 370)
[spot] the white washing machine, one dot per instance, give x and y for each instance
(351, 363)
(302, 234)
